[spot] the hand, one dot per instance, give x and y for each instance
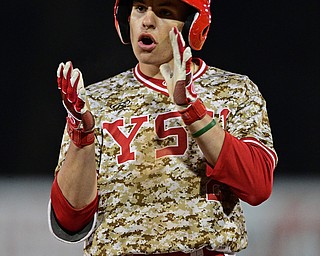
(80, 121)
(179, 80)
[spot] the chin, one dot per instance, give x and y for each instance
(151, 59)
(147, 58)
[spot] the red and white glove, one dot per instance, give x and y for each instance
(80, 121)
(180, 80)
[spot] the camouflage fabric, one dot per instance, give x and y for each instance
(154, 193)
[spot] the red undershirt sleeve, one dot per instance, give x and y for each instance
(71, 219)
(247, 167)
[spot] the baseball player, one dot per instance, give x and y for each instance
(157, 159)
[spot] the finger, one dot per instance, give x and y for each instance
(67, 70)
(80, 103)
(72, 89)
(181, 40)
(66, 77)
(60, 75)
(80, 93)
(181, 43)
(175, 48)
(80, 85)
(187, 54)
(187, 58)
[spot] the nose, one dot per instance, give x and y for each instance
(149, 19)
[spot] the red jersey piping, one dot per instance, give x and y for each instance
(159, 85)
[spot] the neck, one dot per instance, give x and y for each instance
(151, 70)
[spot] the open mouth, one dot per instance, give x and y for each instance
(146, 39)
(147, 43)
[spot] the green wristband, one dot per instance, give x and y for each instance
(204, 129)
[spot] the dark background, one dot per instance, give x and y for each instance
(275, 43)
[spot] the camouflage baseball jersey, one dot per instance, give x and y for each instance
(154, 195)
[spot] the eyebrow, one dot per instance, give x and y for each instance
(164, 3)
(138, 1)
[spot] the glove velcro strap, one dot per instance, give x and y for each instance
(195, 111)
(79, 137)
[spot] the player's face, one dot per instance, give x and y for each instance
(150, 23)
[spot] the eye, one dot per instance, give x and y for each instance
(140, 8)
(165, 13)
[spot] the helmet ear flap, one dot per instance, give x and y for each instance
(122, 17)
(187, 28)
(197, 24)
(195, 32)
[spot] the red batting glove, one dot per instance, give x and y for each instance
(80, 121)
(180, 80)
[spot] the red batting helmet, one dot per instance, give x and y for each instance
(195, 30)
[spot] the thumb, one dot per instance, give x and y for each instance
(166, 71)
(187, 54)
